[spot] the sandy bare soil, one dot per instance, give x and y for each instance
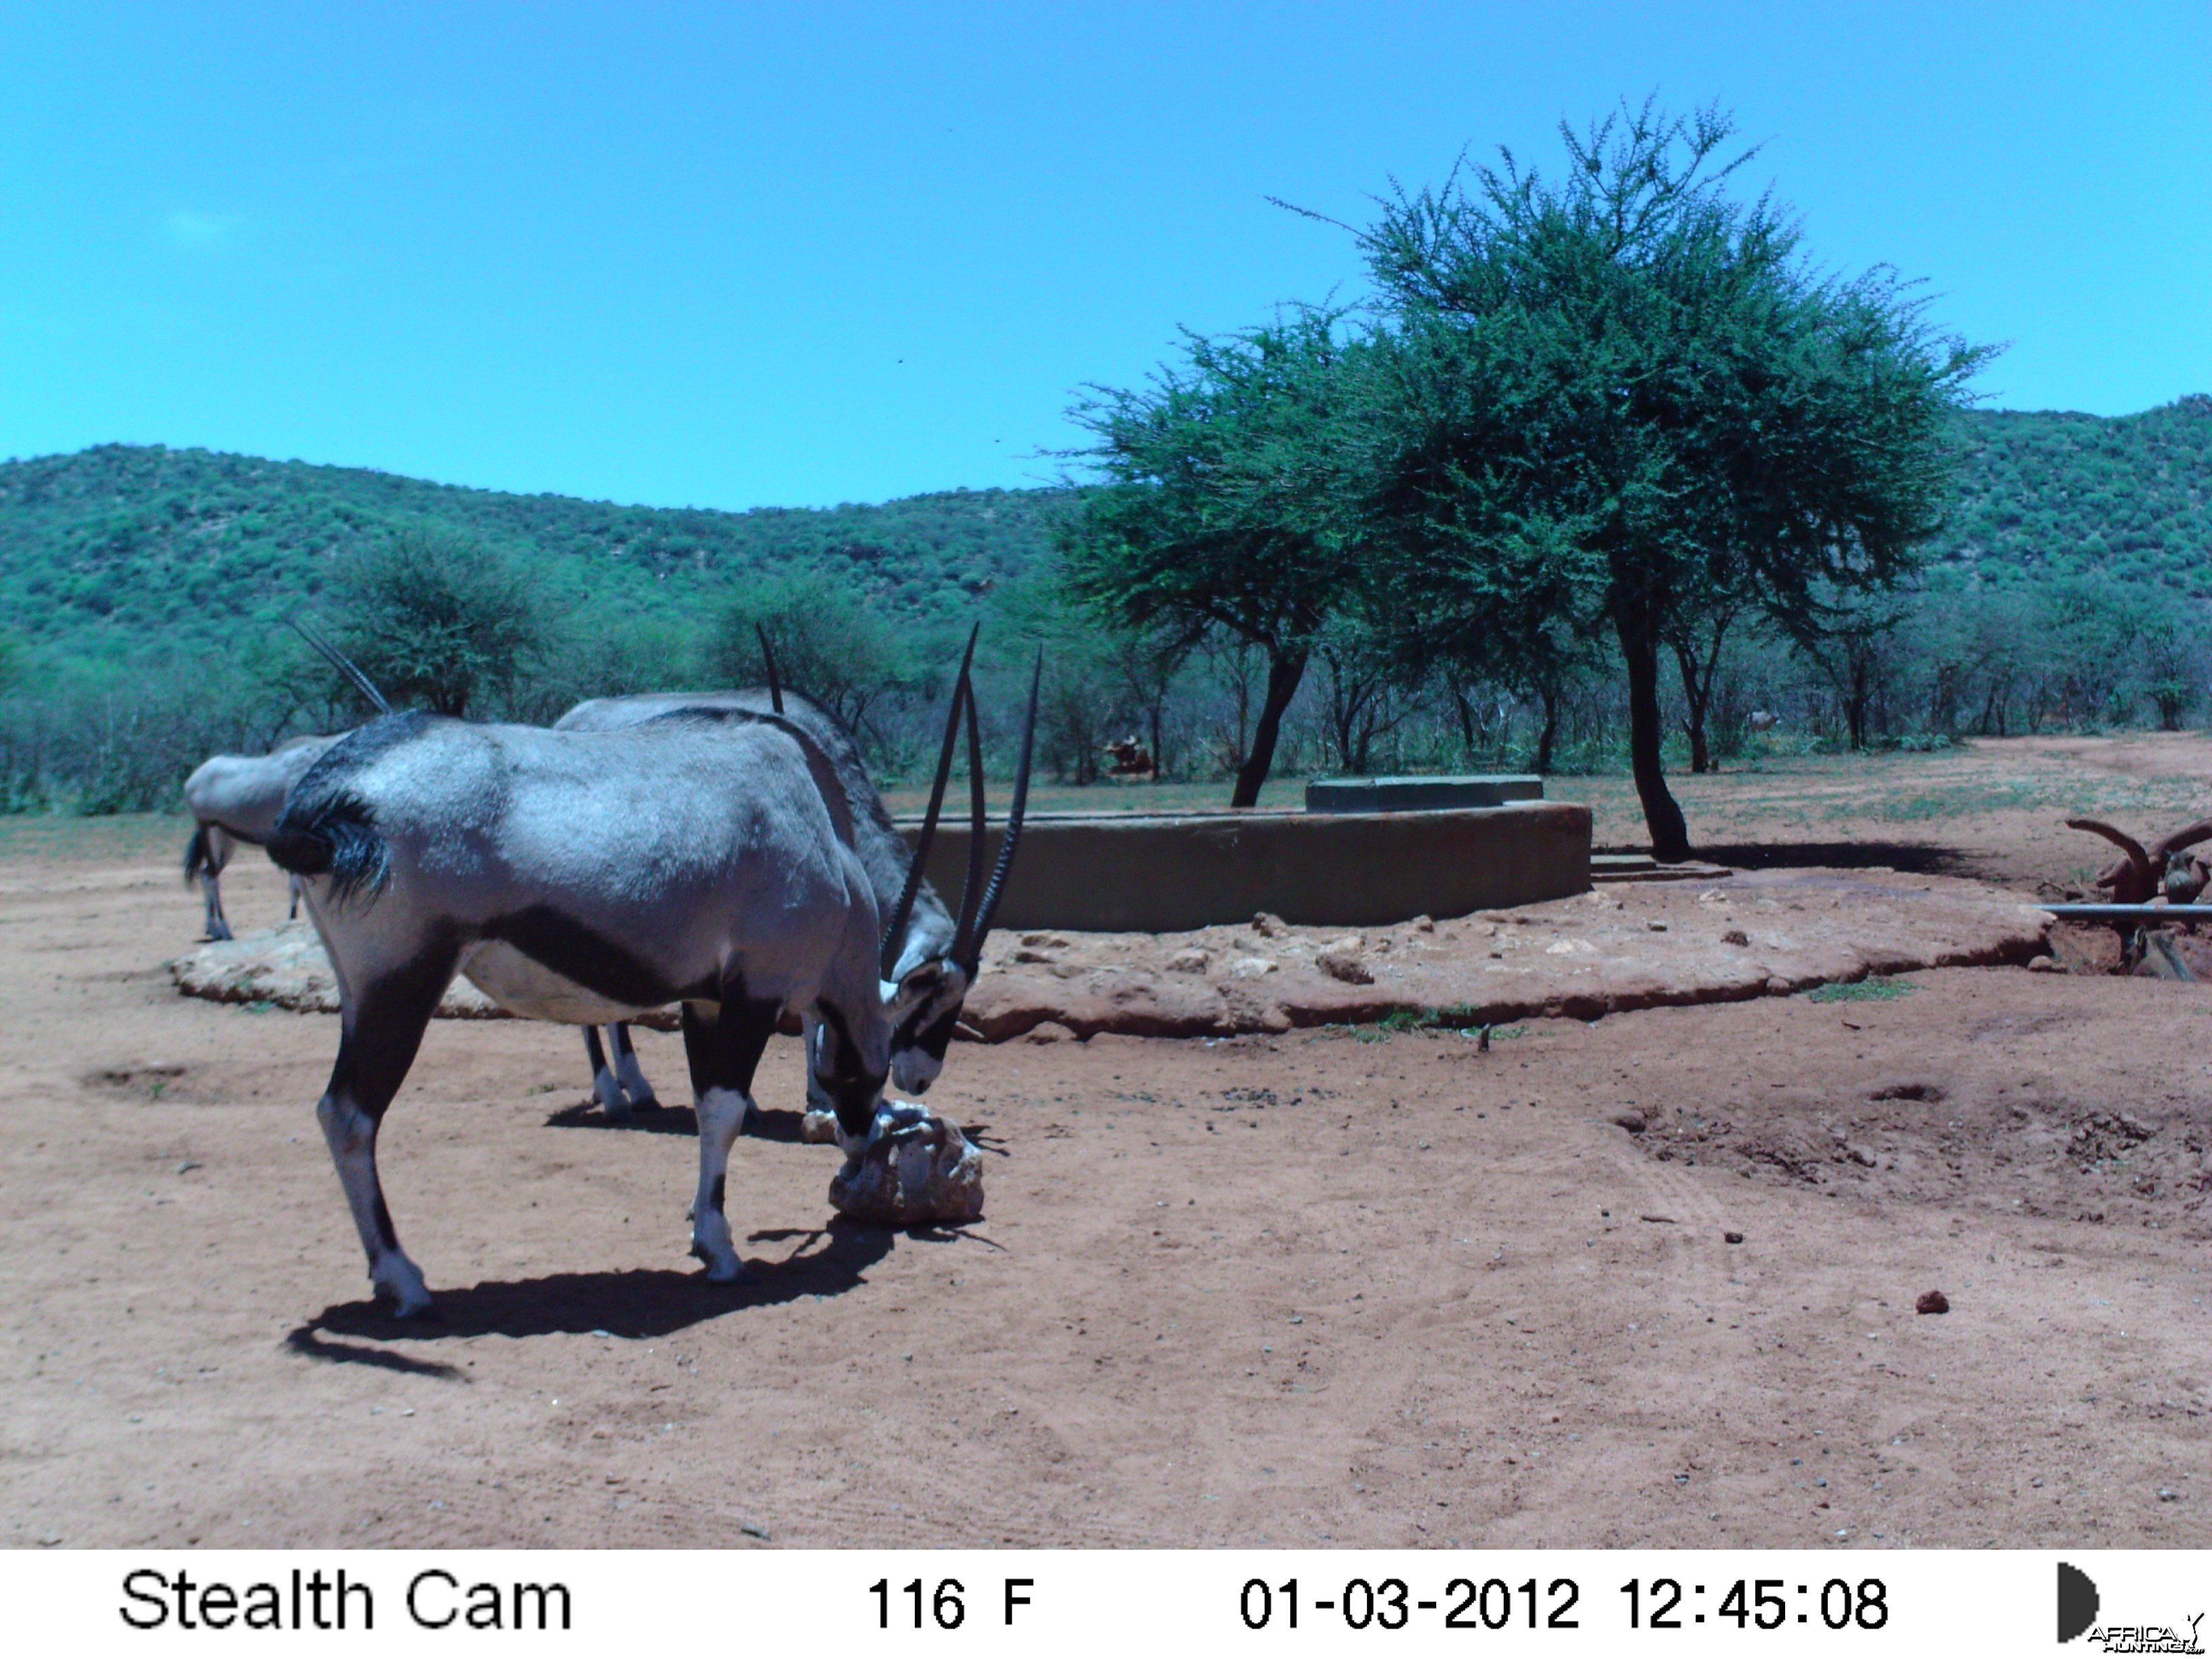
(1317, 1286)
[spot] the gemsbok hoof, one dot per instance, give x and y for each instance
(722, 1269)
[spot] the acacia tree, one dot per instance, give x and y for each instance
(1221, 509)
(829, 644)
(440, 620)
(1641, 368)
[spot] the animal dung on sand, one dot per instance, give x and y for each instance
(915, 1169)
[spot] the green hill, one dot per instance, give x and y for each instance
(2059, 495)
(122, 554)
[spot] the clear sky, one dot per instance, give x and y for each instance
(748, 255)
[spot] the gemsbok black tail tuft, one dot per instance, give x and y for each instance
(196, 854)
(334, 836)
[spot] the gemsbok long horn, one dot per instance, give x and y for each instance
(972, 889)
(970, 951)
(344, 664)
(894, 937)
(768, 655)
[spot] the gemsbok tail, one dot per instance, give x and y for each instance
(334, 835)
(196, 857)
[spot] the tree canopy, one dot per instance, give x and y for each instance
(1622, 395)
(440, 620)
(1224, 508)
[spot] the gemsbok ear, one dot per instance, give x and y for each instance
(344, 664)
(895, 925)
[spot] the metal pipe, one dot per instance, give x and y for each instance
(2129, 912)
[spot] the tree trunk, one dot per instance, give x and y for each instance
(1460, 702)
(1639, 644)
(1855, 707)
(1284, 672)
(1547, 739)
(1695, 698)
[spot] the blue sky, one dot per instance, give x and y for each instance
(737, 256)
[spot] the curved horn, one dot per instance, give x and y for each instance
(989, 907)
(971, 890)
(895, 925)
(344, 664)
(2166, 845)
(2138, 860)
(768, 656)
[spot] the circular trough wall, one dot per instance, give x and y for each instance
(1132, 874)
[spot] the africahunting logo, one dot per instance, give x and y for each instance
(2078, 1607)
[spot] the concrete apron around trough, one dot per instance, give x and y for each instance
(1608, 950)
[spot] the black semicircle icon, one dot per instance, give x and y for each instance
(2077, 1600)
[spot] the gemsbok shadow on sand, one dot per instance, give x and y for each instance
(639, 1303)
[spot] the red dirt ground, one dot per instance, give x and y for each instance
(1315, 1287)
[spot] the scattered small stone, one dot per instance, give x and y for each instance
(1656, 926)
(1269, 927)
(1663, 1220)
(1341, 963)
(2045, 965)
(751, 1531)
(1058, 941)
(1250, 968)
(1779, 986)
(1425, 924)
(1630, 1119)
(1859, 1155)
(1191, 959)
(1932, 1301)
(1732, 1239)
(1735, 936)
(188, 1165)
(2167, 1494)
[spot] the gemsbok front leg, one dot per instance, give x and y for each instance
(621, 1087)
(604, 1085)
(724, 1042)
(635, 1088)
(383, 1028)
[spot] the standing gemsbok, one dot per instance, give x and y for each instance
(702, 858)
(929, 958)
(235, 799)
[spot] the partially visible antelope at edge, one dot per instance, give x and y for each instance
(236, 799)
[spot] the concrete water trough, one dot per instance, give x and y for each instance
(1131, 872)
